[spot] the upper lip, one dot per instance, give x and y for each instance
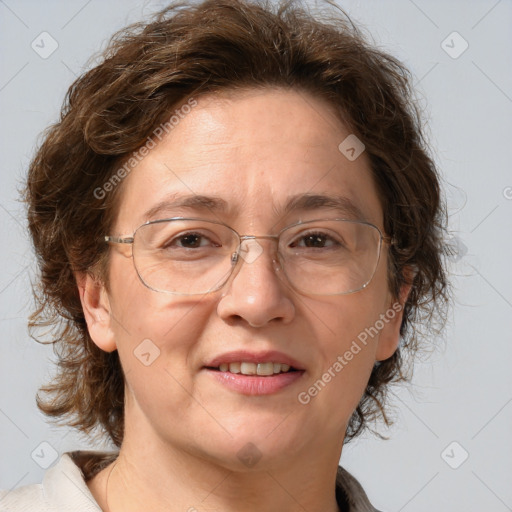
(254, 357)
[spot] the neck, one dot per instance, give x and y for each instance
(170, 479)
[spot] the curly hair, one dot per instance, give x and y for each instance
(188, 50)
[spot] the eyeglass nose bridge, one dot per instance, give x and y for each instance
(250, 252)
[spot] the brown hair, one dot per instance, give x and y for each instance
(189, 50)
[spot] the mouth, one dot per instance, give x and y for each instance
(263, 369)
(256, 379)
(255, 373)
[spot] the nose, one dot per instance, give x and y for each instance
(254, 293)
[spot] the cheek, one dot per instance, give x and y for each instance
(154, 332)
(155, 344)
(347, 348)
(139, 312)
(339, 321)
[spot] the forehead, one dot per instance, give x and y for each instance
(254, 153)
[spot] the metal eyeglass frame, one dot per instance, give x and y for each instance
(235, 256)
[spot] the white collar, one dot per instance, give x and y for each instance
(64, 487)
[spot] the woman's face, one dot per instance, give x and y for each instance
(254, 150)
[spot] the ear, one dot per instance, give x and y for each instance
(389, 337)
(96, 307)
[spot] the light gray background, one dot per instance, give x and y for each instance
(462, 393)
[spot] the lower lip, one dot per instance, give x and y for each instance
(255, 384)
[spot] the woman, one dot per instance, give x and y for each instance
(238, 226)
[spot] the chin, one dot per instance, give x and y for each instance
(256, 445)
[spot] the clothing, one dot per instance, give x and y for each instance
(64, 488)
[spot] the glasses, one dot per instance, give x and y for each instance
(186, 256)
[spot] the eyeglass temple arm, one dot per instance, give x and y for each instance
(119, 240)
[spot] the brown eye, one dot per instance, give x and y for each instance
(315, 240)
(191, 240)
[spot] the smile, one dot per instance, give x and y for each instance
(248, 368)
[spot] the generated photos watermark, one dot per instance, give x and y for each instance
(137, 156)
(304, 397)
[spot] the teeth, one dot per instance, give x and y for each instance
(265, 369)
(233, 367)
(245, 368)
(248, 368)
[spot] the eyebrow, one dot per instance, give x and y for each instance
(298, 203)
(193, 202)
(341, 204)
